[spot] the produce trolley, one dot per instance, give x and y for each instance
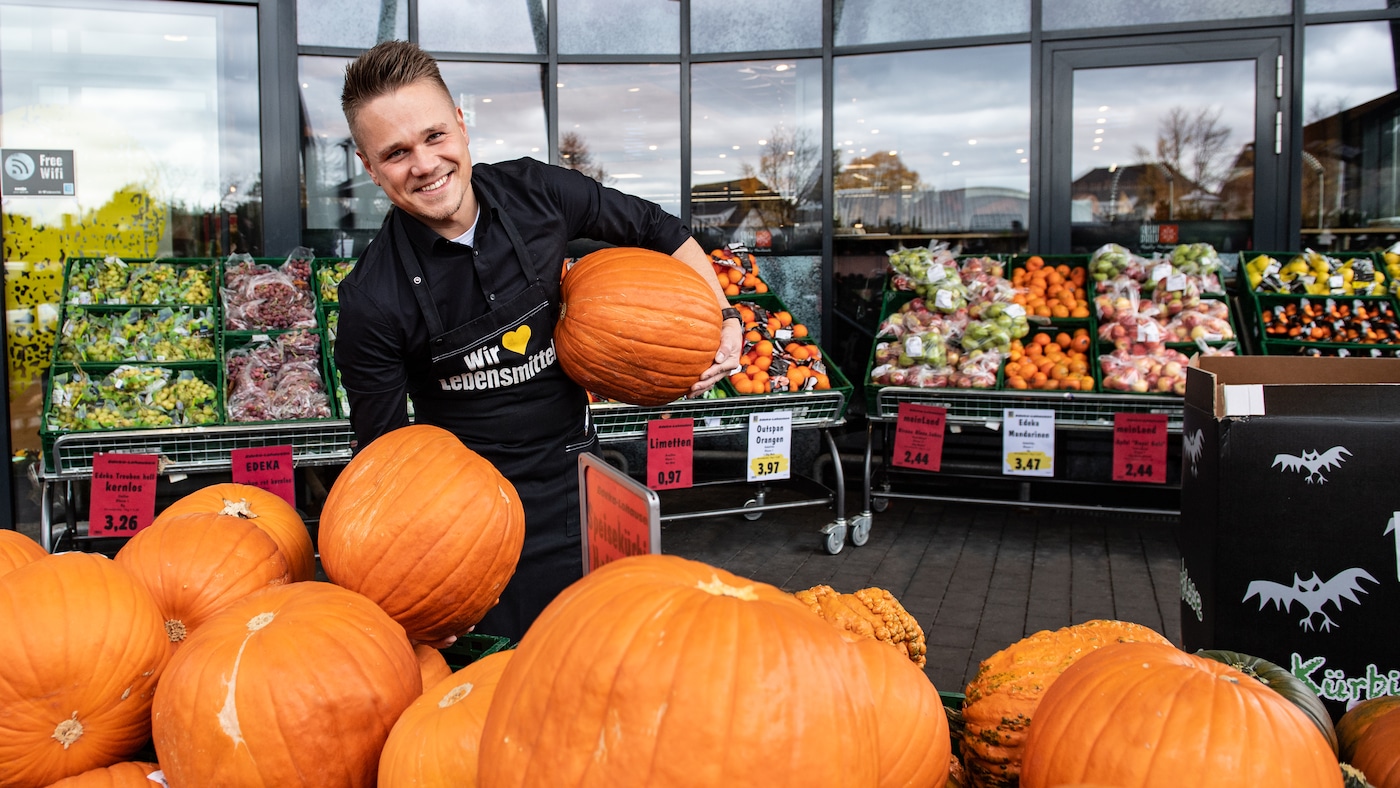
(1085, 411)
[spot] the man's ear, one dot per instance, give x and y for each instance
(462, 124)
(365, 162)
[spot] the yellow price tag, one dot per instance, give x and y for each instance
(768, 465)
(1028, 461)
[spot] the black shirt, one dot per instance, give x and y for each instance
(381, 349)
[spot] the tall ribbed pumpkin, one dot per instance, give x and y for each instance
(296, 685)
(127, 774)
(1148, 715)
(195, 565)
(16, 550)
(1003, 696)
(636, 326)
(436, 741)
(660, 671)
(425, 527)
(264, 509)
(82, 650)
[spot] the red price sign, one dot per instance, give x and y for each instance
(670, 453)
(619, 517)
(1140, 447)
(918, 436)
(123, 493)
(268, 467)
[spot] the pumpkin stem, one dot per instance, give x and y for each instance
(456, 695)
(238, 508)
(68, 731)
(175, 630)
(260, 620)
(720, 588)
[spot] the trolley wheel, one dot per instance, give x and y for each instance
(879, 503)
(752, 515)
(835, 540)
(860, 530)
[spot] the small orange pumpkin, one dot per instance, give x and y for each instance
(1359, 718)
(16, 550)
(195, 565)
(425, 527)
(437, 739)
(264, 509)
(432, 665)
(83, 648)
(127, 774)
(1152, 716)
(636, 326)
(1377, 751)
(296, 685)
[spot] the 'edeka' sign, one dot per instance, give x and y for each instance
(37, 173)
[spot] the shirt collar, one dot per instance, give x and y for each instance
(426, 240)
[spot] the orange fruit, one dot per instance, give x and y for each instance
(799, 331)
(763, 348)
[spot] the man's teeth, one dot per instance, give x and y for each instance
(435, 184)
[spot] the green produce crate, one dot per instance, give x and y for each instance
(327, 273)
(52, 427)
(82, 288)
(235, 340)
(1092, 356)
(106, 314)
(306, 300)
(471, 647)
(1284, 258)
(1271, 345)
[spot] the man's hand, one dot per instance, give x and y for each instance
(731, 343)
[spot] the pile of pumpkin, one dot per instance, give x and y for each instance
(207, 636)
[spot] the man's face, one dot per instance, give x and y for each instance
(413, 144)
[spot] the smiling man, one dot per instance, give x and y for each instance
(453, 304)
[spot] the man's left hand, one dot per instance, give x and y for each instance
(731, 344)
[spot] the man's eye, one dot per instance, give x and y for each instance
(434, 135)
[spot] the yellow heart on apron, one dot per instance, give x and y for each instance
(516, 341)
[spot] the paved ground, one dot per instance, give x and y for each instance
(977, 577)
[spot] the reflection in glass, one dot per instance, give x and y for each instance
(495, 26)
(756, 154)
(503, 108)
(619, 27)
(1351, 137)
(620, 124)
(1331, 6)
(1163, 155)
(1072, 14)
(752, 25)
(884, 21)
(947, 156)
(359, 24)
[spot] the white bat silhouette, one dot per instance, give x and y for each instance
(1192, 445)
(1315, 463)
(1313, 593)
(1394, 527)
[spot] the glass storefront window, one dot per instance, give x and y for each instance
(620, 124)
(1351, 138)
(752, 25)
(359, 24)
(619, 27)
(1078, 14)
(946, 156)
(1159, 157)
(501, 102)
(886, 21)
(756, 155)
(1332, 6)
(518, 27)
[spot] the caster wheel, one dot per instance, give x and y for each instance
(835, 540)
(751, 515)
(860, 530)
(879, 503)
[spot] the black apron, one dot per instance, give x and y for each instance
(497, 385)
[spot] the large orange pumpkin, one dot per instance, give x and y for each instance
(1148, 715)
(660, 671)
(83, 647)
(1377, 751)
(296, 685)
(127, 774)
(16, 550)
(913, 728)
(436, 741)
(1002, 698)
(425, 527)
(264, 509)
(195, 565)
(636, 326)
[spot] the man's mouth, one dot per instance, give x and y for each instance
(435, 185)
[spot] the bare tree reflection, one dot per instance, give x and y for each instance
(790, 168)
(1188, 166)
(574, 153)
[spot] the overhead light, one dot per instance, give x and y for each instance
(1103, 108)
(1098, 139)
(1101, 120)
(558, 84)
(176, 38)
(1096, 147)
(763, 142)
(736, 147)
(956, 163)
(534, 150)
(1098, 131)
(894, 153)
(500, 142)
(1020, 150)
(486, 101)
(632, 90)
(792, 153)
(874, 131)
(1023, 161)
(627, 175)
(945, 153)
(709, 172)
(651, 147)
(304, 86)
(972, 142)
(724, 155)
(1113, 167)
(781, 67)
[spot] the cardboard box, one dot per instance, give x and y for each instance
(1290, 518)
